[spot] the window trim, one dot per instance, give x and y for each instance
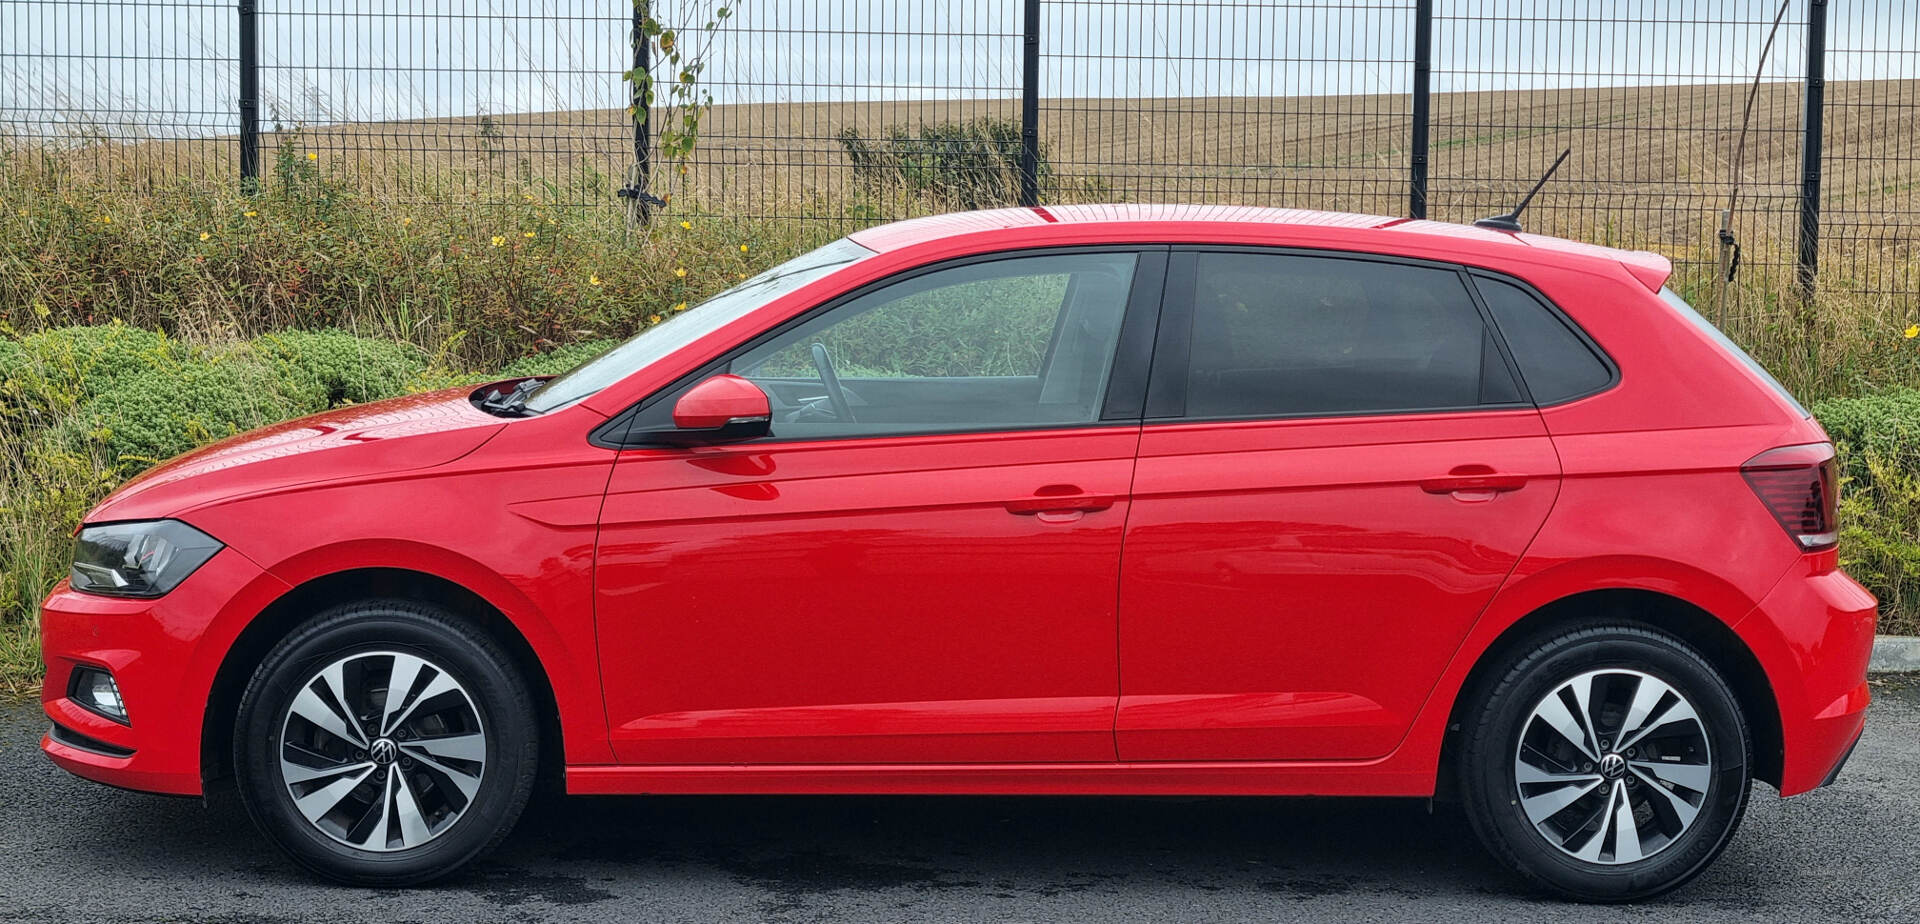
(1126, 381)
(1474, 274)
(1167, 390)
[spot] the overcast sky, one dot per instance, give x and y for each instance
(173, 61)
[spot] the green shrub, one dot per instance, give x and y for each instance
(968, 164)
(1886, 423)
(436, 378)
(1878, 437)
(1880, 537)
(52, 371)
(329, 367)
(554, 362)
(155, 415)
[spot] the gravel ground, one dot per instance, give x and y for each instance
(74, 851)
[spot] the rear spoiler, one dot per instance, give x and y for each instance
(1650, 268)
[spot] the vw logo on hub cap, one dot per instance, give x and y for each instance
(1612, 766)
(384, 751)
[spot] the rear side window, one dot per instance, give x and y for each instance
(1554, 360)
(1290, 335)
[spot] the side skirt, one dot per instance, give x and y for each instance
(1319, 778)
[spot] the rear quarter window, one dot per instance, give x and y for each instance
(1555, 361)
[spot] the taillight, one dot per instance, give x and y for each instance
(1801, 488)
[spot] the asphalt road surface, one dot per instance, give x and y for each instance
(74, 851)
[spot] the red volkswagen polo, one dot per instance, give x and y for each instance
(1151, 500)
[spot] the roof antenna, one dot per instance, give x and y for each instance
(1511, 220)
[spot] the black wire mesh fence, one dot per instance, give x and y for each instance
(450, 97)
(1299, 104)
(145, 89)
(1869, 203)
(865, 110)
(1651, 108)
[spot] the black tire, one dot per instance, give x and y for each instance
(1496, 728)
(359, 635)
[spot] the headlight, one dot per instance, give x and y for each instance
(138, 559)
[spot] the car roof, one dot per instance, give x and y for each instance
(1132, 222)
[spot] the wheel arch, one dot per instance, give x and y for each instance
(305, 599)
(1712, 636)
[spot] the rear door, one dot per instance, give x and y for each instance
(1338, 469)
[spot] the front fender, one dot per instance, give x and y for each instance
(572, 671)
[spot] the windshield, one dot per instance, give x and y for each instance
(655, 342)
(1687, 311)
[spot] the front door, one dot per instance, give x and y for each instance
(1343, 474)
(920, 564)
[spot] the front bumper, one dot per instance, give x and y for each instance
(1813, 635)
(164, 654)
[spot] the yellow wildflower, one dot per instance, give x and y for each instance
(684, 226)
(680, 307)
(593, 279)
(680, 272)
(249, 213)
(406, 221)
(106, 219)
(204, 235)
(653, 319)
(743, 248)
(312, 156)
(498, 240)
(528, 234)
(1911, 332)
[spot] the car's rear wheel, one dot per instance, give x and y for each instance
(385, 743)
(1606, 763)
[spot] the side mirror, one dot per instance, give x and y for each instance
(722, 409)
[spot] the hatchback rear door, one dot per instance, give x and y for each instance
(1338, 469)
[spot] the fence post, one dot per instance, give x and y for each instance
(249, 98)
(1811, 125)
(1030, 106)
(639, 210)
(1422, 87)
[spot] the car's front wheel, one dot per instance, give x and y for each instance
(385, 743)
(1606, 763)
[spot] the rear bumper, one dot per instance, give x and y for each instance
(1813, 635)
(163, 657)
(1845, 756)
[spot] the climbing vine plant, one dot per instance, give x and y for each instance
(672, 83)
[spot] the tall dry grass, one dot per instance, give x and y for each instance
(424, 258)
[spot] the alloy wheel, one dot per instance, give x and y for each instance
(382, 751)
(1613, 766)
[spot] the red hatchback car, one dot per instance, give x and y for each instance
(1105, 499)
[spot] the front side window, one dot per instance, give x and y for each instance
(1024, 341)
(1287, 335)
